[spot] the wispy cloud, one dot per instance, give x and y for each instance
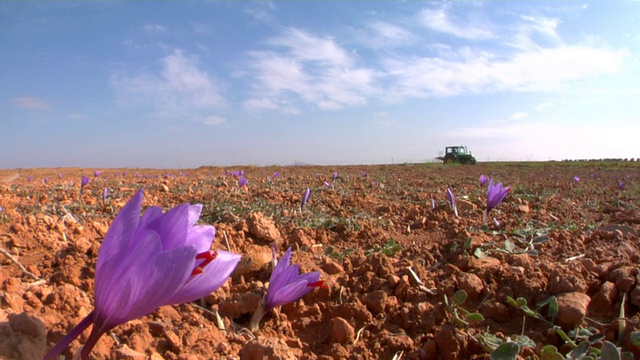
(442, 20)
(180, 88)
(30, 102)
(153, 29)
(519, 115)
(381, 34)
(214, 120)
(476, 71)
(314, 69)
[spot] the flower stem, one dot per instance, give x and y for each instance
(72, 335)
(257, 316)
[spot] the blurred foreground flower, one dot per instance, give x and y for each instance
(83, 182)
(483, 180)
(242, 181)
(452, 202)
(286, 285)
(305, 198)
(147, 262)
(495, 195)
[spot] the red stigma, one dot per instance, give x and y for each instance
(317, 284)
(208, 257)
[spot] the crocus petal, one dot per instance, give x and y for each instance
(293, 291)
(117, 238)
(172, 226)
(213, 276)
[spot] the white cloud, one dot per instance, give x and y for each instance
(315, 70)
(214, 120)
(180, 88)
(153, 29)
(262, 103)
(519, 115)
(479, 72)
(380, 34)
(441, 20)
(30, 102)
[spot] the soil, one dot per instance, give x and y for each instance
(389, 259)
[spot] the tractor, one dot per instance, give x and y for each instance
(457, 154)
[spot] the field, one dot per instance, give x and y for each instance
(554, 269)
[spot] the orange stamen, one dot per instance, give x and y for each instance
(208, 257)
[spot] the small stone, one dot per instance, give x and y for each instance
(126, 353)
(604, 298)
(399, 342)
(266, 348)
(174, 340)
(465, 206)
(375, 301)
(255, 257)
(331, 267)
(572, 308)
(341, 330)
(524, 208)
(263, 228)
(27, 325)
(164, 188)
(624, 277)
(17, 228)
(472, 284)
(248, 302)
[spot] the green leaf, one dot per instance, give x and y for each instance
(479, 253)
(553, 308)
(509, 246)
(467, 244)
(550, 352)
(474, 318)
(459, 297)
(507, 351)
(609, 351)
(635, 338)
(580, 351)
(524, 340)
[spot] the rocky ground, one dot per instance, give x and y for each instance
(564, 241)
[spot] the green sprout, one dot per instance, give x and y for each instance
(389, 249)
(461, 316)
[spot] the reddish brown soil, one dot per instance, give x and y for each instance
(372, 306)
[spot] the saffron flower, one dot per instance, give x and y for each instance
(59, 175)
(452, 202)
(105, 193)
(276, 174)
(83, 182)
(326, 183)
(305, 198)
(242, 181)
(495, 195)
(335, 175)
(577, 179)
(97, 173)
(620, 184)
(147, 262)
(483, 180)
(286, 285)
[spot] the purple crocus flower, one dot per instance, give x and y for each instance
(577, 179)
(242, 181)
(45, 180)
(276, 174)
(29, 178)
(97, 173)
(286, 285)
(305, 198)
(452, 201)
(326, 183)
(105, 193)
(335, 175)
(483, 180)
(83, 182)
(620, 184)
(433, 203)
(147, 262)
(364, 174)
(495, 195)
(59, 175)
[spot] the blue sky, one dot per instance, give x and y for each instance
(183, 84)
